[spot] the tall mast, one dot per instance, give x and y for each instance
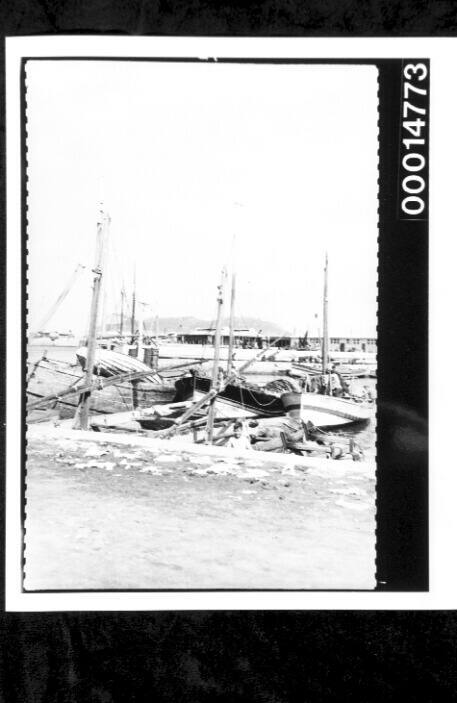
(132, 322)
(121, 324)
(103, 315)
(325, 320)
(232, 318)
(140, 330)
(82, 418)
(232, 311)
(217, 345)
(103, 327)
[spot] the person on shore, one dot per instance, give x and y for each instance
(305, 384)
(220, 378)
(288, 430)
(314, 384)
(324, 384)
(268, 439)
(335, 383)
(368, 393)
(239, 439)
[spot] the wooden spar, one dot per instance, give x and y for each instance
(156, 331)
(113, 419)
(232, 311)
(196, 406)
(132, 321)
(191, 425)
(82, 415)
(182, 365)
(247, 363)
(219, 436)
(140, 352)
(325, 320)
(35, 366)
(213, 392)
(121, 324)
(217, 346)
(129, 416)
(105, 382)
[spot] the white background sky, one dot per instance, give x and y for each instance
(186, 155)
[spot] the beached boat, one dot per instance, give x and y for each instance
(245, 400)
(91, 387)
(347, 371)
(110, 363)
(303, 370)
(352, 371)
(51, 378)
(237, 397)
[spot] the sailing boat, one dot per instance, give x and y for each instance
(54, 380)
(241, 399)
(324, 409)
(246, 400)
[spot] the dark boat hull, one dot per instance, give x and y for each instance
(237, 396)
(320, 410)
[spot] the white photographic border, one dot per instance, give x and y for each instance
(443, 478)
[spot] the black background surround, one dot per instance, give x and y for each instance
(265, 656)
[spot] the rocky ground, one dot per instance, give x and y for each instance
(101, 516)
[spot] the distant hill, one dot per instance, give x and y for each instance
(184, 325)
(189, 324)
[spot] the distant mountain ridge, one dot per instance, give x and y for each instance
(186, 324)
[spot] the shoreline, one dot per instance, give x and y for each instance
(112, 513)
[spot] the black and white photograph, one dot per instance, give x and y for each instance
(216, 309)
(224, 256)
(201, 325)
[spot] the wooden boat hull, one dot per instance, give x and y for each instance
(54, 377)
(111, 363)
(347, 371)
(239, 400)
(235, 400)
(352, 371)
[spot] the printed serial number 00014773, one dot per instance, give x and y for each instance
(413, 142)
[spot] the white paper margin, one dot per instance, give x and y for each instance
(443, 338)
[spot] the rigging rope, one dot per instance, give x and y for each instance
(44, 320)
(257, 402)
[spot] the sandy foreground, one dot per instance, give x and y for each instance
(104, 516)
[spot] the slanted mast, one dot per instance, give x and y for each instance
(121, 324)
(82, 416)
(132, 321)
(217, 345)
(232, 323)
(325, 340)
